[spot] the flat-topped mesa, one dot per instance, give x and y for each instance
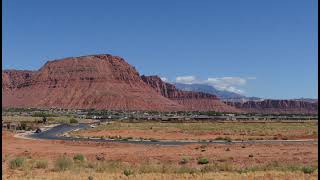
(95, 81)
(277, 106)
(170, 91)
(91, 67)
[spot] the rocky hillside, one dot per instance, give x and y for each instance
(96, 81)
(193, 101)
(277, 106)
(109, 82)
(223, 95)
(208, 89)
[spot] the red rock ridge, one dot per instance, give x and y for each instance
(95, 81)
(170, 91)
(193, 101)
(277, 106)
(16, 78)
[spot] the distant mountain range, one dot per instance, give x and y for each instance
(100, 81)
(255, 104)
(221, 94)
(307, 100)
(104, 81)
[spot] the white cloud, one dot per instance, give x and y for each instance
(224, 81)
(231, 84)
(164, 79)
(186, 79)
(235, 90)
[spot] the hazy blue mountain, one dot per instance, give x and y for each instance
(226, 95)
(307, 100)
(208, 89)
(223, 95)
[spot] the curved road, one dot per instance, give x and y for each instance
(56, 132)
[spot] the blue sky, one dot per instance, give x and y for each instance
(264, 48)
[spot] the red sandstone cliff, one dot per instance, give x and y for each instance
(277, 106)
(97, 81)
(108, 82)
(193, 101)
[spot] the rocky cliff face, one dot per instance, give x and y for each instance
(277, 106)
(108, 82)
(192, 101)
(170, 91)
(221, 94)
(16, 79)
(97, 81)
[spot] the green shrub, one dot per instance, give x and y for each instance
(228, 139)
(63, 163)
(17, 162)
(51, 119)
(127, 172)
(90, 178)
(203, 160)
(184, 160)
(23, 126)
(41, 164)
(79, 157)
(307, 170)
(72, 121)
(203, 146)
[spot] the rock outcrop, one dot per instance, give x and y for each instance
(101, 82)
(16, 79)
(95, 81)
(192, 101)
(109, 82)
(277, 106)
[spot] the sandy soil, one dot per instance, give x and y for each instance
(134, 154)
(204, 131)
(181, 135)
(269, 175)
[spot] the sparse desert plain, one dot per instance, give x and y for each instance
(160, 90)
(62, 159)
(204, 131)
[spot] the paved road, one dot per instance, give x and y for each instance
(56, 132)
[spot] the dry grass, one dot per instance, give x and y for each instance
(203, 130)
(20, 118)
(211, 126)
(69, 175)
(60, 119)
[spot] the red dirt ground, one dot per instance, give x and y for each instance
(135, 154)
